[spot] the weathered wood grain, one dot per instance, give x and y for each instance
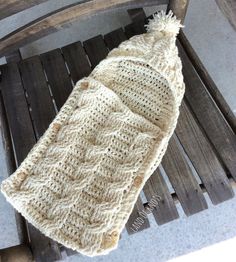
(23, 138)
(183, 181)
(16, 253)
(6, 170)
(57, 75)
(179, 8)
(61, 18)
(39, 98)
(77, 61)
(136, 14)
(135, 28)
(203, 157)
(114, 38)
(156, 189)
(14, 56)
(19, 121)
(42, 112)
(208, 115)
(95, 49)
(208, 81)
(137, 222)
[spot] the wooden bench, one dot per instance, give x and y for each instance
(201, 156)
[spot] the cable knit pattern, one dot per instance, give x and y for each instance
(79, 183)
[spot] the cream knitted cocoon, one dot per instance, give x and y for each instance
(79, 183)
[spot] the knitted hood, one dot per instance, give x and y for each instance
(152, 61)
(80, 182)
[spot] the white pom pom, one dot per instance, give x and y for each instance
(165, 23)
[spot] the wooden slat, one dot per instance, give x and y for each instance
(179, 8)
(58, 77)
(136, 221)
(114, 38)
(14, 56)
(23, 139)
(11, 7)
(203, 157)
(184, 183)
(37, 89)
(136, 14)
(166, 210)
(71, 252)
(60, 18)
(43, 112)
(208, 81)
(17, 221)
(44, 249)
(22, 133)
(16, 253)
(135, 28)
(95, 49)
(210, 118)
(77, 61)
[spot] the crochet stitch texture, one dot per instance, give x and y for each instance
(79, 183)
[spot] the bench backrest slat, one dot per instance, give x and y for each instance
(58, 19)
(11, 7)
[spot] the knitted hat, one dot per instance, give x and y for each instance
(79, 183)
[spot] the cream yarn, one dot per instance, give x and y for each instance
(79, 183)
